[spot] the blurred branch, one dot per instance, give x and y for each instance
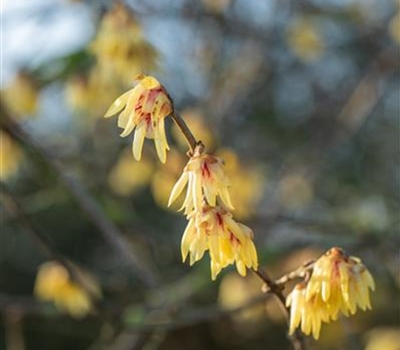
(341, 123)
(365, 95)
(171, 321)
(130, 341)
(86, 203)
(13, 206)
(14, 335)
(275, 289)
(303, 272)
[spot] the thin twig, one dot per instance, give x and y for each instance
(13, 206)
(191, 140)
(171, 319)
(275, 289)
(300, 273)
(87, 204)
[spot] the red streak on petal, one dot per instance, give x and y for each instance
(220, 221)
(233, 238)
(152, 95)
(336, 269)
(205, 171)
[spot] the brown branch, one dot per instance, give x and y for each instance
(275, 289)
(86, 203)
(303, 272)
(180, 123)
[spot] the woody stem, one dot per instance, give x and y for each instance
(180, 123)
(276, 289)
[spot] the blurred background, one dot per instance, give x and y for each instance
(301, 100)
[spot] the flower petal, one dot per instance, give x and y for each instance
(138, 141)
(118, 104)
(178, 188)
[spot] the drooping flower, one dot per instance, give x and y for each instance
(308, 314)
(144, 107)
(53, 283)
(203, 175)
(338, 284)
(120, 47)
(213, 229)
(342, 281)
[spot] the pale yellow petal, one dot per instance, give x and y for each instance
(138, 141)
(187, 236)
(129, 128)
(241, 268)
(210, 193)
(118, 104)
(196, 192)
(178, 187)
(224, 193)
(161, 145)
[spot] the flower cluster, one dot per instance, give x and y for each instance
(338, 284)
(211, 226)
(144, 107)
(120, 46)
(53, 283)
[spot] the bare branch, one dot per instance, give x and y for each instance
(86, 203)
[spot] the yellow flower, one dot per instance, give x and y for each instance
(229, 242)
(203, 174)
(305, 40)
(144, 107)
(342, 282)
(120, 47)
(53, 284)
(21, 96)
(339, 283)
(306, 313)
(10, 156)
